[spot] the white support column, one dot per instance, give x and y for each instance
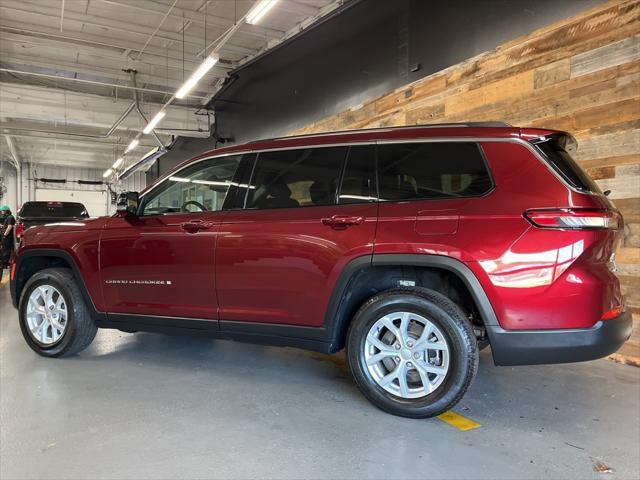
(18, 165)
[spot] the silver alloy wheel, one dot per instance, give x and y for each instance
(406, 354)
(46, 315)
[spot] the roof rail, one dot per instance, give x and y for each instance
(494, 124)
(490, 123)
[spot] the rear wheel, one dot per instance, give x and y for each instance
(54, 318)
(412, 352)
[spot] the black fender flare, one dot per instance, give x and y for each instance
(68, 258)
(334, 324)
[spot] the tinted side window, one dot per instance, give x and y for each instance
(562, 162)
(200, 187)
(53, 209)
(358, 183)
(431, 170)
(296, 178)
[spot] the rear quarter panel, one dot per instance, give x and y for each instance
(534, 278)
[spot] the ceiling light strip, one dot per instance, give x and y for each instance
(259, 10)
(154, 121)
(252, 17)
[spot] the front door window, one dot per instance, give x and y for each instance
(201, 187)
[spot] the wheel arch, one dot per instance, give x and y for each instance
(366, 276)
(31, 262)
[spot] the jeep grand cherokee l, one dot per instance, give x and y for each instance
(411, 247)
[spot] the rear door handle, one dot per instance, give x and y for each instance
(195, 226)
(342, 221)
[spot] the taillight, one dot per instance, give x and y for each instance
(574, 219)
(19, 230)
(613, 313)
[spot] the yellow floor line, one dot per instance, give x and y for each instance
(459, 421)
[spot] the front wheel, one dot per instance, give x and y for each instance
(412, 352)
(54, 318)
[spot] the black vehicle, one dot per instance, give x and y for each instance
(41, 213)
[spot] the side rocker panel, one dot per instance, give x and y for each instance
(325, 339)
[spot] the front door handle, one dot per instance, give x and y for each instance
(342, 221)
(195, 226)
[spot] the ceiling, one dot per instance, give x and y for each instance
(66, 70)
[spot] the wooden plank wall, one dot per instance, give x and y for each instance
(580, 75)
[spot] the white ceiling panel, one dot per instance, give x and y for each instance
(65, 68)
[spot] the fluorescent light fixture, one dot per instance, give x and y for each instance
(259, 10)
(154, 121)
(244, 185)
(117, 163)
(357, 197)
(134, 143)
(211, 182)
(107, 173)
(226, 183)
(143, 164)
(195, 77)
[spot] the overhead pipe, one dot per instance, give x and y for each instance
(137, 105)
(19, 132)
(134, 104)
(83, 135)
(184, 132)
(91, 82)
(121, 118)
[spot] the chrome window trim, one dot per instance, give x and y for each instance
(244, 152)
(519, 141)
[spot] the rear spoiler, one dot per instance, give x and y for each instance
(567, 141)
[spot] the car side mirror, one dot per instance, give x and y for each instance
(127, 203)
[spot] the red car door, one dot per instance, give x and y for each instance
(279, 257)
(161, 262)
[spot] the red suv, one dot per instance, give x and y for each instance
(412, 247)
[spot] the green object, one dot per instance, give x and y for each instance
(5, 208)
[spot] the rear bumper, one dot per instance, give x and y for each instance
(533, 347)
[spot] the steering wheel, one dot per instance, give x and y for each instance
(184, 206)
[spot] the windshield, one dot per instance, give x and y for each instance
(555, 152)
(54, 209)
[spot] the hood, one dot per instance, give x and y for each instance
(66, 226)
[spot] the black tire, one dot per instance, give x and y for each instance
(80, 329)
(443, 313)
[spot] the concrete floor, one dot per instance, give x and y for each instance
(153, 406)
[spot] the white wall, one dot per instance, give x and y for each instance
(135, 182)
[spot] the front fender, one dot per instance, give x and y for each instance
(83, 262)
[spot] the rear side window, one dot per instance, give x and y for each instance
(408, 171)
(561, 161)
(296, 178)
(54, 209)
